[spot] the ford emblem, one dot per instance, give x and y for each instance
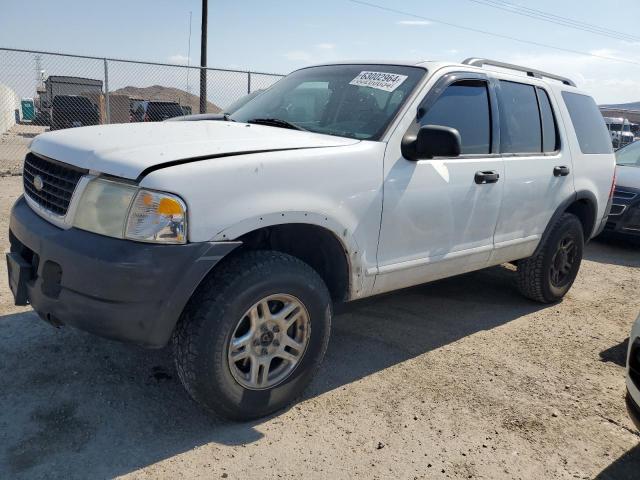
(38, 183)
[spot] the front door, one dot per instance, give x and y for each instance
(439, 215)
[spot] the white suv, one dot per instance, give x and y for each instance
(234, 237)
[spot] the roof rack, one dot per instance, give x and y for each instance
(481, 62)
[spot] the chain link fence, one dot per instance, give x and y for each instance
(42, 91)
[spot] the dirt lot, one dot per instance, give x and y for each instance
(14, 145)
(462, 378)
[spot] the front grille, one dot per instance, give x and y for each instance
(633, 362)
(59, 180)
(619, 193)
(632, 219)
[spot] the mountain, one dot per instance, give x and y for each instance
(625, 106)
(167, 94)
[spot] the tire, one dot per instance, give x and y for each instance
(545, 277)
(231, 298)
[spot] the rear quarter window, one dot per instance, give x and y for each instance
(588, 123)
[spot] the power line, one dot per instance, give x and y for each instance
(566, 19)
(557, 19)
(493, 34)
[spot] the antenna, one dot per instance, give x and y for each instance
(39, 71)
(189, 53)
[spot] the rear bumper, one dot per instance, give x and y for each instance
(114, 288)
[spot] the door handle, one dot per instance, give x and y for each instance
(561, 171)
(488, 176)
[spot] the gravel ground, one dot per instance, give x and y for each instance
(14, 146)
(462, 378)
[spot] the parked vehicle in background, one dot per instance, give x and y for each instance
(196, 117)
(620, 131)
(156, 111)
(633, 374)
(624, 218)
(43, 118)
(70, 111)
(233, 238)
(134, 106)
(62, 85)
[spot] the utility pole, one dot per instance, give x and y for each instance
(203, 58)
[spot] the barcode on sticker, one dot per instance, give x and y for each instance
(380, 80)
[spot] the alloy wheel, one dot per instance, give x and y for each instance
(269, 342)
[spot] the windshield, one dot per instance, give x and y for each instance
(355, 101)
(629, 156)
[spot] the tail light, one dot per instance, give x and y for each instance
(613, 185)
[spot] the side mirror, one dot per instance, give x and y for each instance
(431, 141)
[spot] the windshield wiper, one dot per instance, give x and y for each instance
(276, 122)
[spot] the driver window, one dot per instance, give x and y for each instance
(464, 106)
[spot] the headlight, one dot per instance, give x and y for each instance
(124, 211)
(103, 207)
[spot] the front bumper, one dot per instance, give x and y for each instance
(633, 410)
(633, 374)
(624, 218)
(114, 288)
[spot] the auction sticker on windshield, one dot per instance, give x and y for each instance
(380, 80)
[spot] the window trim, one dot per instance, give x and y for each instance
(434, 93)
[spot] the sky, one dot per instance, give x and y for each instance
(283, 35)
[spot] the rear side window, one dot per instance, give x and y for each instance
(464, 106)
(519, 119)
(550, 141)
(588, 123)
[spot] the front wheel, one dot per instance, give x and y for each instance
(548, 275)
(253, 336)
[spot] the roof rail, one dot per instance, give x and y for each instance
(481, 62)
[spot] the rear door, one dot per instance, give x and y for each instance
(438, 216)
(538, 168)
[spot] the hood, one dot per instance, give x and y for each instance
(628, 176)
(126, 150)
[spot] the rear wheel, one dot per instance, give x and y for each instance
(253, 335)
(548, 275)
